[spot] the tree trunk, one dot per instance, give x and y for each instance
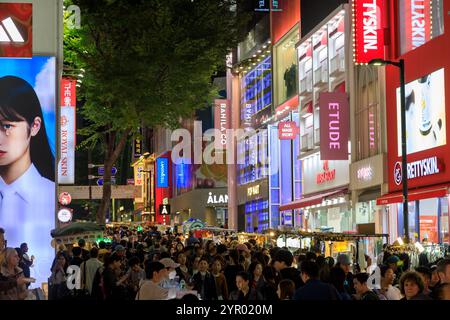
(111, 155)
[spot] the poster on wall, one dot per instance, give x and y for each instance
(27, 157)
(425, 113)
(428, 228)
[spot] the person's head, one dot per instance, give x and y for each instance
(443, 270)
(443, 292)
(11, 258)
(233, 257)
(199, 251)
(195, 263)
(155, 271)
(76, 251)
(102, 244)
(170, 266)
(133, 263)
(337, 278)
(286, 289)
(203, 265)
(309, 270)
(165, 254)
(2, 239)
(181, 259)
(113, 261)
(434, 276)
(24, 247)
(222, 249)
(61, 260)
(120, 250)
(392, 262)
(360, 283)
(93, 253)
(311, 256)
(343, 261)
(269, 274)
(23, 138)
(320, 260)
(411, 284)
(387, 274)
(283, 259)
(425, 273)
(255, 269)
(217, 265)
(242, 280)
(81, 243)
(265, 252)
(180, 247)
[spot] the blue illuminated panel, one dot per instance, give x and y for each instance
(258, 210)
(162, 173)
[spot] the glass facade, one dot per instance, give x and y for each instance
(252, 161)
(257, 215)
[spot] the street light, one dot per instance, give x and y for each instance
(401, 65)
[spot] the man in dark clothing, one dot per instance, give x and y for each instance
(343, 262)
(282, 263)
(314, 289)
(361, 288)
(76, 259)
(84, 252)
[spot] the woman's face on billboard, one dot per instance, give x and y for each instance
(15, 140)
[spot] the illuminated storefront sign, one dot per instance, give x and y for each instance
(365, 173)
(222, 122)
(334, 125)
(217, 199)
(288, 130)
(326, 175)
(253, 191)
(417, 169)
(368, 30)
(162, 173)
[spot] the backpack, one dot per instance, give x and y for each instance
(98, 288)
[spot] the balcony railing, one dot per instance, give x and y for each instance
(321, 75)
(317, 136)
(337, 64)
(306, 142)
(306, 84)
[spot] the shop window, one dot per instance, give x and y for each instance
(285, 74)
(444, 223)
(365, 212)
(428, 220)
(419, 22)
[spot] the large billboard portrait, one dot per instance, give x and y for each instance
(27, 157)
(425, 113)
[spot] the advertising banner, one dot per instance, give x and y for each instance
(416, 23)
(334, 125)
(368, 29)
(222, 122)
(27, 157)
(66, 166)
(162, 173)
(287, 130)
(16, 30)
(425, 113)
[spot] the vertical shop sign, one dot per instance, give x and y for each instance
(368, 18)
(66, 166)
(221, 122)
(418, 24)
(162, 174)
(334, 125)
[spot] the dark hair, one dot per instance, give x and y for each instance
(362, 277)
(244, 275)
(442, 265)
(411, 276)
(221, 248)
(164, 255)
(133, 261)
(102, 244)
(320, 260)
(311, 256)
(310, 268)
(189, 297)
(269, 273)
(2, 231)
(220, 259)
(153, 266)
(287, 289)
(23, 245)
(285, 256)
(337, 278)
(383, 269)
(440, 290)
(19, 102)
(93, 253)
(203, 258)
(109, 259)
(76, 251)
(252, 267)
(425, 271)
(234, 256)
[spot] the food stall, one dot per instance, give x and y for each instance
(69, 235)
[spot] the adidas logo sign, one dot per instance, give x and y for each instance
(9, 32)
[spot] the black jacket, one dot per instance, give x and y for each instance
(208, 283)
(316, 290)
(292, 274)
(252, 295)
(7, 283)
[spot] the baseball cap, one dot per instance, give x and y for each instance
(343, 259)
(169, 263)
(119, 247)
(392, 259)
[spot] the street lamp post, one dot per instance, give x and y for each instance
(401, 65)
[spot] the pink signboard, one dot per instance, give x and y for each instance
(334, 125)
(287, 130)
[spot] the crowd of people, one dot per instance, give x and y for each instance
(153, 266)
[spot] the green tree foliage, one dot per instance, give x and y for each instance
(147, 63)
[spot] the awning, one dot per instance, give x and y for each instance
(416, 194)
(310, 201)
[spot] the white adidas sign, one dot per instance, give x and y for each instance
(9, 32)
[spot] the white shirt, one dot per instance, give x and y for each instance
(27, 213)
(151, 291)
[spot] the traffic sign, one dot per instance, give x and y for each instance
(101, 171)
(100, 181)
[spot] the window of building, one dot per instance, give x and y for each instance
(419, 22)
(367, 120)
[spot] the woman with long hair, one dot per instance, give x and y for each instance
(27, 188)
(10, 269)
(57, 285)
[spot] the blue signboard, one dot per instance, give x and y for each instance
(162, 173)
(101, 171)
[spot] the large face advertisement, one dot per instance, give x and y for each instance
(27, 157)
(425, 113)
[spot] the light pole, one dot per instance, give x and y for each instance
(401, 65)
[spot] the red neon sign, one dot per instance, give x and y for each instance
(368, 30)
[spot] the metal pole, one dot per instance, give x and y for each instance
(89, 176)
(401, 65)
